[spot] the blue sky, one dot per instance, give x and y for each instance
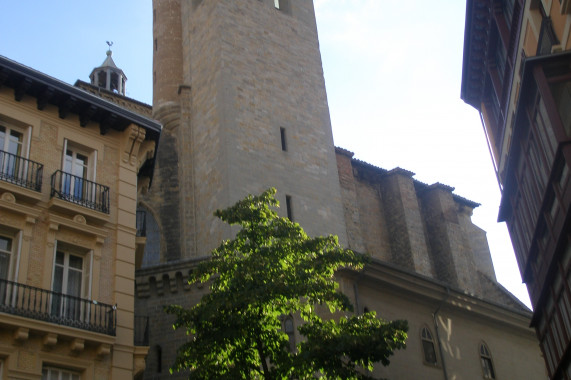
(393, 84)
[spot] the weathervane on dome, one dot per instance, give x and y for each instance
(110, 43)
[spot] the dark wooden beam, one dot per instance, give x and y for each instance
(44, 97)
(66, 106)
(86, 115)
(3, 75)
(21, 88)
(107, 123)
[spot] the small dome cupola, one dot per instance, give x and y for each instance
(108, 75)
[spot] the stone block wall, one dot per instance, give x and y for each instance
(423, 229)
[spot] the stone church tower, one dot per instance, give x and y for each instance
(239, 88)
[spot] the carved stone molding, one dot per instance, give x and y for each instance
(77, 345)
(8, 197)
(80, 219)
(103, 350)
(21, 334)
(49, 340)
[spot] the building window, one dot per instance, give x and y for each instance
(77, 178)
(289, 329)
(6, 257)
(159, 352)
(283, 5)
(9, 261)
(13, 149)
(147, 226)
(71, 279)
(9, 243)
(11, 140)
(52, 373)
(76, 168)
(289, 207)
(428, 346)
(283, 139)
(487, 365)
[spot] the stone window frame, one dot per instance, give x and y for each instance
(50, 375)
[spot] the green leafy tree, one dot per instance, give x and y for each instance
(272, 269)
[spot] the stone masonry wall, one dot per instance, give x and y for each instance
(253, 69)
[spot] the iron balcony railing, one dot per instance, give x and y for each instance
(141, 331)
(80, 191)
(21, 171)
(141, 223)
(62, 309)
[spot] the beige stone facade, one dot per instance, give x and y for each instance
(71, 168)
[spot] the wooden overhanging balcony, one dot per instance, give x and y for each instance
(80, 191)
(21, 171)
(53, 307)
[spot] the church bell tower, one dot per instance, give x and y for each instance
(108, 76)
(239, 88)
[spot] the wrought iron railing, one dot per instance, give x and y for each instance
(80, 191)
(21, 171)
(141, 223)
(62, 309)
(141, 331)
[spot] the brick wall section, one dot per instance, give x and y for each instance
(478, 243)
(373, 224)
(154, 292)
(253, 69)
(449, 246)
(164, 196)
(425, 229)
(350, 205)
(167, 52)
(404, 221)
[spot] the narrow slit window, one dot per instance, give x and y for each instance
(159, 351)
(289, 329)
(283, 139)
(289, 208)
(277, 4)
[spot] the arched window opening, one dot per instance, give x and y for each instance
(428, 346)
(487, 365)
(148, 227)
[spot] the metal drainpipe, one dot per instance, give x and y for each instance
(434, 315)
